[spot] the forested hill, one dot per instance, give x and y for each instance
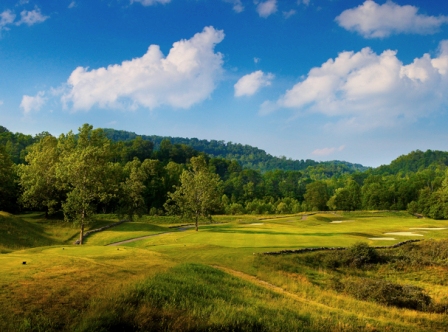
(414, 162)
(248, 156)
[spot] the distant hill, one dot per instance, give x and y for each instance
(414, 161)
(248, 156)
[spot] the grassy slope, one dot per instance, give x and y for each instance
(58, 283)
(18, 232)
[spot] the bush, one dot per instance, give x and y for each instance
(361, 254)
(385, 292)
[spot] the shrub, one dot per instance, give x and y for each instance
(385, 292)
(361, 254)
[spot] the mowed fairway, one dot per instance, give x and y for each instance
(180, 279)
(319, 230)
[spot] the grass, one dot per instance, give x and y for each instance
(211, 280)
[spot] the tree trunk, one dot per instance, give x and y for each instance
(196, 222)
(81, 236)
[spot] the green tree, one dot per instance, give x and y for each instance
(199, 192)
(132, 189)
(85, 173)
(38, 177)
(316, 196)
(8, 192)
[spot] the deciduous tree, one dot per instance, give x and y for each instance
(199, 192)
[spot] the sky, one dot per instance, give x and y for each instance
(359, 81)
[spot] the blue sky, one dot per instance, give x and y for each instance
(361, 81)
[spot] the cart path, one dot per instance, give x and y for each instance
(180, 229)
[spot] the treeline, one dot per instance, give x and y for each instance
(131, 176)
(247, 156)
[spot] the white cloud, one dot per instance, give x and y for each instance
(6, 17)
(151, 2)
(31, 17)
(257, 60)
(237, 5)
(290, 13)
(249, 84)
(378, 21)
(30, 103)
(327, 151)
(72, 4)
(186, 76)
(305, 2)
(266, 8)
(365, 90)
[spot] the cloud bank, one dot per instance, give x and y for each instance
(366, 90)
(186, 76)
(371, 20)
(249, 84)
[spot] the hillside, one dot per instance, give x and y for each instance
(414, 162)
(248, 156)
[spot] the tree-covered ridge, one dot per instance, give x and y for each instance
(248, 156)
(16, 143)
(414, 162)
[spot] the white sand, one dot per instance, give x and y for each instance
(382, 238)
(429, 228)
(403, 234)
(256, 224)
(340, 221)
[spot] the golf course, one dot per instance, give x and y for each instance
(234, 274)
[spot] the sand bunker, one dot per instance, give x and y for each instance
(340, 221)
(429, 228)
(382, 238)
(403, 234)
(256, 224)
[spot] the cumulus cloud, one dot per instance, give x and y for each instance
(365, 90)
(249, 84)
(7, 17)
(30, 103)
(327, 151)
(237, 5)
(266, 8)
(378, 21)
(186, 76)
(151, 2)
(31, 17)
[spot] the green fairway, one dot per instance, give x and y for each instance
(318, 230)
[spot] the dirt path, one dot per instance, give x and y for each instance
(180, 229)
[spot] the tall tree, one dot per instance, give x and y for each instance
(316, 195)
(199, 192)
(8, 192)
(38, 177)
(131, 190)
(85, 173)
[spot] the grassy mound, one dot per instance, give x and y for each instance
(16, 233)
